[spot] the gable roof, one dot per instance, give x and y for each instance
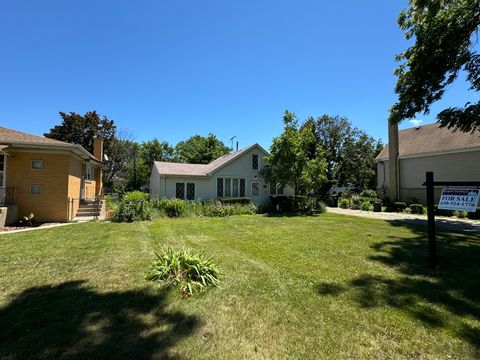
(430, 140)
(170, 168)
(15, 138)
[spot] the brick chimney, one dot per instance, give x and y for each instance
(98, 153)
(393, 149)
(98, 148)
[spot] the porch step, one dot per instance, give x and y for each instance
(89, 210)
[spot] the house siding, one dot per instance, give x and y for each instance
(206, 187)
(51, 204)
(446, 167)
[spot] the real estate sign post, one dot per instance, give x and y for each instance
(461, 198)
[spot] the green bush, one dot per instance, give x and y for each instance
(184, 269)
(399, 206)
(128, 211)
(366, 206)
(176, 208)
(136, 196)
(441, 212)
(417, 209)
(461, 214)
(368, 193)
(344, 203)
(371, 200)
(411, 200)
(235, 201)
(407, 210)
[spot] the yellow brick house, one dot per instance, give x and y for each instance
(54, 180)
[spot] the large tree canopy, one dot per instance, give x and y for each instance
(349, 152)
(291, 161)
(82, 129)
(200, 149)
(444, 32)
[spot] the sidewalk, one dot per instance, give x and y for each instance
(441, 221)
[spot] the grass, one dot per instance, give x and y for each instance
(328, 286)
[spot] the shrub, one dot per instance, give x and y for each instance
(417, 209)
(399, 206)
(411, 200)
(136, 196)
(235, 201)
(441, 212)
(366, 206)
(461, 214)
(356, 202)
(128, 211)
(184, 269)
(344, 203)
(368, 193)
(370, 200)
(407, 210)
(474, 215)
(176, 208)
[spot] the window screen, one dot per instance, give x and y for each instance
(254, 161)
(190, 191)
(228, 191)
(235, 187)
(180, 190)
(37, 164)
(220, 187)
(242, 187)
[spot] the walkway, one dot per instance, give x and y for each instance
(441, 221)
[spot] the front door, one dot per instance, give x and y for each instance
(255, 191)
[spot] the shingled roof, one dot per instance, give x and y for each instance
(431, 139)
(170, 168)
(15, 138)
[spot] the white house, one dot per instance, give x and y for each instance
(235, 175)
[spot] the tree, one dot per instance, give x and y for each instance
(444, 33)
(82, 129)
(120, 152)
(290, 161)
(349, 152)
(200, 150)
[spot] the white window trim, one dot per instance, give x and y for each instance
(34, 168)
(231, 186)
(30, 189)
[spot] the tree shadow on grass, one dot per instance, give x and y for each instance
(71, 321)
(448, 297)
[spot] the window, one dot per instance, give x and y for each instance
(37, 164)
(2, 169)
(254, 161)
(35, 189)
(235, 187)
(190, 191)
(255, 189)
(273, 188)
(230, 187)
(228, 190)
(180, 190)
(242, 187)
(89, 173)
(220, 187)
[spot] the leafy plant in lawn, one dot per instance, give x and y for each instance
(184, 269)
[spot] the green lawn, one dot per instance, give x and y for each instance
(328, 286)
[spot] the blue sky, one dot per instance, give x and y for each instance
(171, 69)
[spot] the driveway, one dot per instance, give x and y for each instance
(441, 221)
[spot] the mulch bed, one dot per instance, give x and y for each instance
(23, 227)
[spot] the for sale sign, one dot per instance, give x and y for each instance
(459, 199)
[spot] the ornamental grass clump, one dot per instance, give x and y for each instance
(190, 272)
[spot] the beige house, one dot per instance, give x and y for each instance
(452, 156)
(54, 180)
(235, 175)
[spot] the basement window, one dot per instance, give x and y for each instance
(37, 164)
(35, 189)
